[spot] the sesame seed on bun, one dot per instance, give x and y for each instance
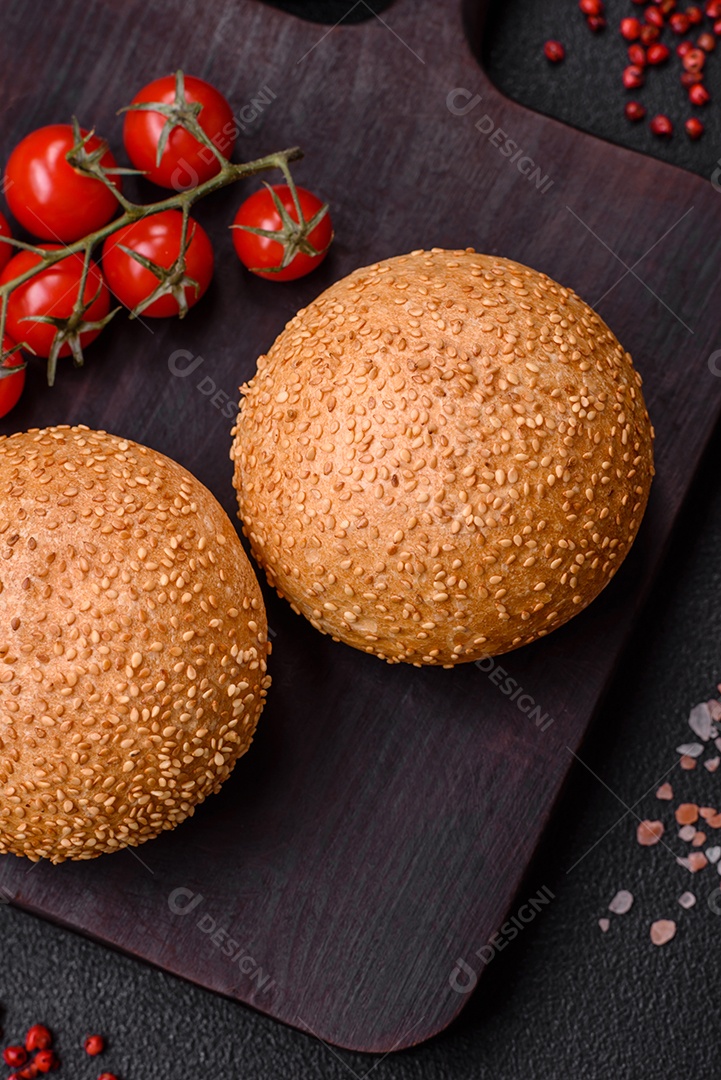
(133, 644)
(446, 455)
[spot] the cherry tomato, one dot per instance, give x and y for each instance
(48, 196)
(185, 161)
(300, 249)
(6, 250)
(157, 238)
(52, 292)
(11, 386)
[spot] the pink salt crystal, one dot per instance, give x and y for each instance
(687, 832)
(662, 931)
(649, 832)
(694, 862)
(700, 721)
(621, 902)
(604, 924)
(665, 792)
(712, 764)
(687, 900)
(714, 707)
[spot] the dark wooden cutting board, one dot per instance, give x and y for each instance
(380, 827)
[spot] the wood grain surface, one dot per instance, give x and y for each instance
(381, 825)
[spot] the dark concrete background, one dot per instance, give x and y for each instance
(563, 1000)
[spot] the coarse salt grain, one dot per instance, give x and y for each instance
(621, 902)
(714, 707)
(604, 924)
(649, 832)
(713, 854)
(665, 792)
(700, 721)
(712, 764)
(693, 862)
(687, 762)
(687, 813)
(691, 749)
(687, 832)
(687, 900)
(662, 931)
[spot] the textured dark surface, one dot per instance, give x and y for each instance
(562, 1000)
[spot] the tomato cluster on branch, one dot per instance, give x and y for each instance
(64, 186)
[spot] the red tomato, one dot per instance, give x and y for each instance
(185, 161)
(11, 386)
(48, 196)
(52, 292)
(289, 252)
(157, 238)
(6, 250)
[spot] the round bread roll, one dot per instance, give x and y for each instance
(133, 644)
(445, 456)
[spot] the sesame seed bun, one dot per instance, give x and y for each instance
(133, 644)
(446, 455)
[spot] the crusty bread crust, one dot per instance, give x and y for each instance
(133, 644)
(446, 455)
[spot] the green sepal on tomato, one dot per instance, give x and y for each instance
(282, 232)
(47, 313)
(48, 196)
(167, 153)
(144, 266)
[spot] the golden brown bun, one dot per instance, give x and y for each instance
(133, 644)
(446, 455)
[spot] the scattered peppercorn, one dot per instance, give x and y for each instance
(633, 77)
(28, 1072)
(38, 1038)
(635, 110)
(45, 1061)
(637, 55)
(694, 60)
(679, 23)
(661, 125)
(107, 1076)
(596, 23)
(631, 29)
(94, 1045)
(554, 51)
(698, 94)
(15, 1056)
(649, 34)
(654, 17)
(658, 53)
(706, 41)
